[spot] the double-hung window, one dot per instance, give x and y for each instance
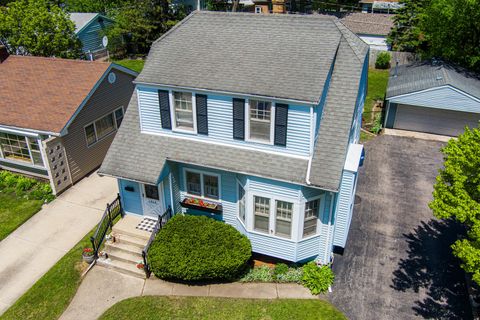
(241, 203)
(283, 219)
(202, 184)
(104, 126)
(311, 217)
(260, 121)
(261, 212)
(183, 110)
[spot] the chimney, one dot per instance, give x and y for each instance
(3, 53)
(278, 6)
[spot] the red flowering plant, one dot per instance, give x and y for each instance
(140, 265)
(88, 252)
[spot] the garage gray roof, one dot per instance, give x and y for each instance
(81, 19)
(327, 163)
(279, 56)
(430, 74)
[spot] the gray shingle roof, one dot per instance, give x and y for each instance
(130, 144)
(141, 157)
(280, 56)
(81, 19)
(369, 23)
(430, 74)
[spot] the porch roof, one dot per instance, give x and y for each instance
(141, 157)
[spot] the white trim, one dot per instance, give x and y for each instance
(140, 109)
(386, 114)
(328, 242)
(433, 89)
(171, 192)
(171, 98)
(19, 132)
(244, 147)
(25, 164)
(160, 198)
(272, 123)
(202, 191)
(92, 91)
(231, 94)
(321, 209)
(26, 131)
(238, 184)
(313, 122)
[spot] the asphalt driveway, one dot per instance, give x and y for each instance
(397, 263)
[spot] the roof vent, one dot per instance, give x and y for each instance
(439, 77)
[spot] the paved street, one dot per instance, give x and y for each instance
(398, 263)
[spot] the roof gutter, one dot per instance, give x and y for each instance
(28, 131)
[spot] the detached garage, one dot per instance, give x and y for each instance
(432, 97)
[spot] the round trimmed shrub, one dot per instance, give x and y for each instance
(383, 60)
(196, 248)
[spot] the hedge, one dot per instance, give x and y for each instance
(196, 248)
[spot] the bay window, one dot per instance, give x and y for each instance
(202, 184)
(241, 203)
(311, 217)
(260, 120)
(261, 211)
(183, 110)
(283, 219)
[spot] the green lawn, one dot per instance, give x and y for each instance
(14, 211)
(155, 307)
(52, 293)
(377, 86)
(135, 65)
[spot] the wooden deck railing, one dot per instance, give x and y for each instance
(113, 210)
(162, 219)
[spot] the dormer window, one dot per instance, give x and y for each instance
(183, 110)
(260, 123)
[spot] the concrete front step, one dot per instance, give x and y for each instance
(124, 256)
(122, 267)
(128, 226)
(133, 241)
(123, 247)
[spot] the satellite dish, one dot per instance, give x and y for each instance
(105, 41)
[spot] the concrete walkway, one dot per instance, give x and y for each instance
(32, 249)
(102, 288)
(416, 135)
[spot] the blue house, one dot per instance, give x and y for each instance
(253, 120)
(90, 29)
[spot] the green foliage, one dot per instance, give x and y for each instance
(280, 273)
(292, 275)
(198, 248)
(259, 274)
(456, 195)
(383, 60)
(280, 268)
(135, 65)
(316, 278)
(377, 124)
(23, 186)
(37, 27)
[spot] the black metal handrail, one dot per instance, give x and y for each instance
(113, 210)
(162, 219)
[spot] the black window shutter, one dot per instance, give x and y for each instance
(238, 119)
(281, 119)
(164, 102)
(202, 118)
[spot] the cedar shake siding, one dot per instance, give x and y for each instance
(106, 99)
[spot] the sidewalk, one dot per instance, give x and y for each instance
(102, 288)
(31, 250)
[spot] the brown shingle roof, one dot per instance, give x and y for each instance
(43, 93)
(369, 23)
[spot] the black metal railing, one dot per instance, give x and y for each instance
(113, 210)
(162, 219)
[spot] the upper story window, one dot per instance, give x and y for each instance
(260, 124)
(20, 148)
(202, 184)
(104, 126)
(183, 110)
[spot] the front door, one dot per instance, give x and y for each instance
(152, 200)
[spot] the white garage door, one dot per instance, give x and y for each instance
(437, 121)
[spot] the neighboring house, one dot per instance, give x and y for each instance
(90, 29)
(384, 6)
(58, 116)
(257, 115)
(432, 97)
(372, 28)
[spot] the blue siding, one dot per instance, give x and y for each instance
(323, 98)
(256, 184)
(362, 93)
(166, 192)
(440, 98)
(344, 208)
(220, 123)
(91, 36)
(131, 200)
(391, 113)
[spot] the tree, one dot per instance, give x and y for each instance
(407, 34)
(35, 27)
(456, 196)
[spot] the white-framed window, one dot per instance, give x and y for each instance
(202, 184)
(183, 111)
(103, 127)
(20, 148)
(261, 214)
(283, 218)
(260, 124)
(310, 221)
(258, 9)
(241, 203)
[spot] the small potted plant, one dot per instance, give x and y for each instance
(87, 255)
(140, 265)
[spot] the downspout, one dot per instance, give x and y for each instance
(325, 256)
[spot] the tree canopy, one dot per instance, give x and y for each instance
(456, 195)
(445, 29)
(38, 28)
